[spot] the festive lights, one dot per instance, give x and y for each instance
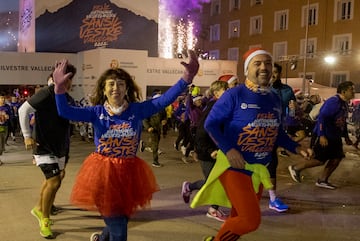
(166, 40)
(175, 37)
(191, 39)
(180, 34)
(178, 27)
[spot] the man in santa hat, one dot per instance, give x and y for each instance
(245, 123)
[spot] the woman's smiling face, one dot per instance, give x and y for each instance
(115, 91)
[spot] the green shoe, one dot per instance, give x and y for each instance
(209, 238)
(37, 214)
(45, 230)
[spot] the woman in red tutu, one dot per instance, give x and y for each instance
(112, 179)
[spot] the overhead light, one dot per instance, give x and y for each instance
(293, 65)
(330, 59)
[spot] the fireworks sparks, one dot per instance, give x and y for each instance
(175, 37)
(177, 27)
(166, 39)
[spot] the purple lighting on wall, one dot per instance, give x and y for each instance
(182, 8)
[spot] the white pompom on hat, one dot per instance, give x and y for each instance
(228, 78)
(196, 98)
(251, 53)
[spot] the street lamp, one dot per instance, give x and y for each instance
(293, 65)
(330, 59)
(289, 59)
(306, 44)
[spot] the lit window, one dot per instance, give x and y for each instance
(234, 29)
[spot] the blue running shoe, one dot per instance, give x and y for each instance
(278, 205)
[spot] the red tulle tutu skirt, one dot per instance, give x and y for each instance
(113, 186)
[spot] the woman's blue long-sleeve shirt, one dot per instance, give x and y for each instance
(118, 135)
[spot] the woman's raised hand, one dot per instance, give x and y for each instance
(60, 76)
(191, 68)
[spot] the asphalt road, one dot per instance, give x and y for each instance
(314, 214)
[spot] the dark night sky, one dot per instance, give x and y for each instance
(9, 5)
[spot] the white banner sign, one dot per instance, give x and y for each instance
(29, 68)
(34, 68)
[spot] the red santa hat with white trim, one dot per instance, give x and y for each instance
(251, 53)
(228, 78)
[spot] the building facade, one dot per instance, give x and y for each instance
(315, 40)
